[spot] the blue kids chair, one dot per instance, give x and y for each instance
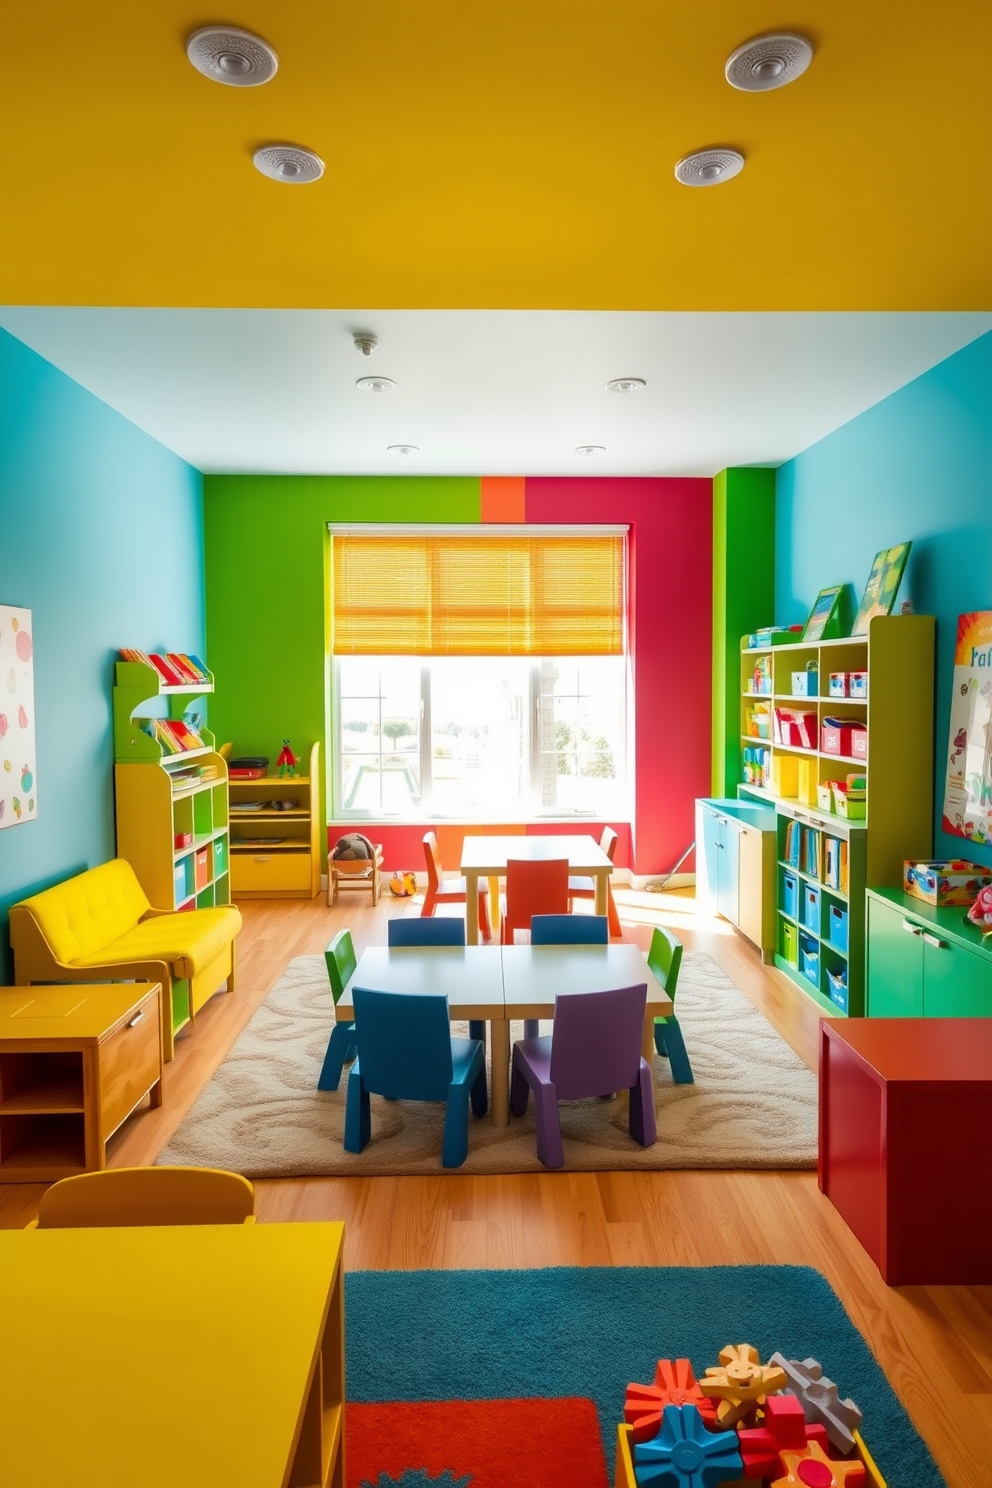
(569, 929)
(341, 963)
(664, 959)
(406, 1052)
(448, 931)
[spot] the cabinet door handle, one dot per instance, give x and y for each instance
(934, 941)
(135, 1020)
(267, 859)
(910, 928)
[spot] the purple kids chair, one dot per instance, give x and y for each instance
(594, 1049)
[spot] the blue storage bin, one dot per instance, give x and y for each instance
(809, 959)
(181, 890)
(811, 907)
(790, 895)
(837, 927)
(837, 986)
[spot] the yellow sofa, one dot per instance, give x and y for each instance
(100, 927)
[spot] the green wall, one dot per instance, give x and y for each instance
(266, 554)
(743, 599)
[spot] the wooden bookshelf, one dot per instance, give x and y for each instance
(898, 656)
(276, 854)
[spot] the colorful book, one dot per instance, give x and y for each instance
(167, 673)
(194, 661)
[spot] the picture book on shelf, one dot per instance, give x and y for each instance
(175, 669)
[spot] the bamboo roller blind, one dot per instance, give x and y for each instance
(478, 595)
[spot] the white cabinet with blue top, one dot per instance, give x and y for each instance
(735, 866)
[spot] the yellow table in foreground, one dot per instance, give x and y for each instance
(208, 1356)
(486, 857)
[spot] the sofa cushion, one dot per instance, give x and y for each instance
(84, 914)
(188, 941)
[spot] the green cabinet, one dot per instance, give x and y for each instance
(924, 961)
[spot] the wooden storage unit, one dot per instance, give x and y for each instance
(74, 1062)
(277, 854)
(898, 656)
(158, 800)
(925, 962)
(735, 867)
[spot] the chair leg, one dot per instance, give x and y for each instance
(675, 1047)
(477, 1030)
(641, 1121)
(455, 1149)
(549, 1144)
(341, 1047)
(485, 926)
(480, 1092)
(429, 906)
(660, 1042)
(615, 927)
(358, 1113)
(532, 1028)
(519, 1090)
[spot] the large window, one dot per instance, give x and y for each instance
(486, 737)
(479, 674)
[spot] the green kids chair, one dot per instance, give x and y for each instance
(342, 1045)
(664, 959)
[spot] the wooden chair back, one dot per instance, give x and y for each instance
(147, 1196)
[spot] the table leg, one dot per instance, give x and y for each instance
(647, 1049)
(494, 906)
(499, 1094)
(600, 901)
(471, 907)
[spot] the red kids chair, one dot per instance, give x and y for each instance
(452, 892)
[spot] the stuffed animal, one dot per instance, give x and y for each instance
(352, 847)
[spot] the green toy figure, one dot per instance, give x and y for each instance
(286, 760)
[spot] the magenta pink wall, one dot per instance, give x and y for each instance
(670, 607)
(669, 620)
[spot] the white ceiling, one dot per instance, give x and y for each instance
(488, 392)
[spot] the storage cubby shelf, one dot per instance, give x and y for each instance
(290, 867)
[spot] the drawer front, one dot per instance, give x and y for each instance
(895, 963)
(260, 871)
(129, 1065)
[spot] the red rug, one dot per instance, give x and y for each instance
(475, 1444)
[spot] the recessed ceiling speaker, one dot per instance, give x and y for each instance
(767, 62)
(709, 167)
(625, 384)
(375, 385)
(231, 56)
(289, 163)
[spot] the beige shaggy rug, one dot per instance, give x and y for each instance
(753, 1104)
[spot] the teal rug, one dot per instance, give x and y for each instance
(586, 1332)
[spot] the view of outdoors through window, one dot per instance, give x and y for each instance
(484, 737)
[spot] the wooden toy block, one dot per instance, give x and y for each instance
(674, 1384)
(812, 1468)
(685, 1454)
(741, 1383)
(784, 1425)
(821, 1401)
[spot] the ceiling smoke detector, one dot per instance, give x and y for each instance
(376, 384)
(403, 449)
(767, 62)
(625, 385)
(709, 167)
(366, 343)
(289, 163)
(231, 56)
(590, 451)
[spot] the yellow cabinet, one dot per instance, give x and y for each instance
(275, 835)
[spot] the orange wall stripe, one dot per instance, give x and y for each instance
(503, 498)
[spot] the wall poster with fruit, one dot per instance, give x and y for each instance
(18, 759)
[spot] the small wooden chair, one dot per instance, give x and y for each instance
(147, 1196)
(360, 873)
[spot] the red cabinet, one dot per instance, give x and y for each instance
(905, 1115)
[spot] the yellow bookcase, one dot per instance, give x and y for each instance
(828, 918)
(162, 798)
(275, 851)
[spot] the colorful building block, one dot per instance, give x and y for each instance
(821, 1400)
(685, 1454)
(674, 1384)
(784, 1425)
(812, 1468)
(741, 1383)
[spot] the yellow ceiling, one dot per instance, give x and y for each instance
(499, 154)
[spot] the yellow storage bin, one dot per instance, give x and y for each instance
(785, 775)
(269, 872)
(807, 788)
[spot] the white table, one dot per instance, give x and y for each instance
(502, 983)
(486, 857)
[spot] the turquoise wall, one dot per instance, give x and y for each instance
(918, 465)
(101, 536)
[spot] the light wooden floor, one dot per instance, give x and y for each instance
(934, 1343)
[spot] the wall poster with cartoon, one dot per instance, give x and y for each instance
(18, 792)
(968, 792)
